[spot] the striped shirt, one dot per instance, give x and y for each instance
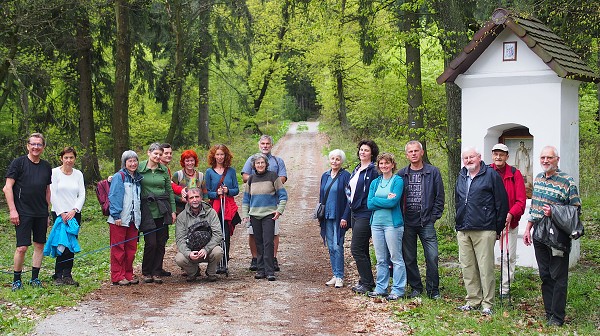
(559, 189)
(263, 195)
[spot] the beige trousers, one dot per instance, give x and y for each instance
(191, 266)
(476, 256)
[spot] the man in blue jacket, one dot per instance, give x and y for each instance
(481, 207)
(422, 205)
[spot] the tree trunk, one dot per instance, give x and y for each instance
(178, 76)
(87, 134)
(120, 118)
(451, 20)
(203, 74)
(414, 90)
(285, 13)
(339, 75)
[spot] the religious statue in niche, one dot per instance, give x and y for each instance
(520, 150)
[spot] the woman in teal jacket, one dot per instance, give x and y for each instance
(387, 227)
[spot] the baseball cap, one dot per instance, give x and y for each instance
(500, 147)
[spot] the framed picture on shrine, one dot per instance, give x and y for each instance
(509, 51)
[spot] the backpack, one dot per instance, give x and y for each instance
(102, 190)
(198, 235)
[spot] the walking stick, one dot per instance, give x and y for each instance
(501, 267)
(508, 262)
(223, 263)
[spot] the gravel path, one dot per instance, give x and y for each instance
(298, 303)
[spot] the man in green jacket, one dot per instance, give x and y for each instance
(197, 211)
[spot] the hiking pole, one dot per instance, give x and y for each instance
(224, 240)
(508, 262)
(501, 267)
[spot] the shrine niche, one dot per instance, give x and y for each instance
(520, 85)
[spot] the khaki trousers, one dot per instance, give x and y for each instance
(191, 266)
(476, 256)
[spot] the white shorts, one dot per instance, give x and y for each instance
(251, 232)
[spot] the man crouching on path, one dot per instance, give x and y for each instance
(196, 211)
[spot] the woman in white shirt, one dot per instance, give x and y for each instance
(67, 195)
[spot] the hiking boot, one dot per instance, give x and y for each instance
(122, 282)
(16, 285)
(415, 294)
(361, 289)
(148, 279)
(157, 279)
(271, 277)
(259, 275)
(164, 273)
(253, 265)
(134, 281)
(58, 281)
(35, 283)
(276, 265)
(212, 278)
(69, 281)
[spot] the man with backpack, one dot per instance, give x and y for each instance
(198, 237)
(515, 189)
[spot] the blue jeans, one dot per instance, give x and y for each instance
(336, 248)
(428, 237)
(387, 241)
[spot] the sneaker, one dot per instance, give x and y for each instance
(148, 279)
(376, 294)
(339, 283)
(16, 285)
(253, 265)
(157, 279)
(276, 265)
(271, 278)
(393, 297)
(134, 281)
(259, 275)
(361, 289)
(466, 308)
(331, 282)
(69, 281)
(435, 296)
(486, 312)
(36, 283)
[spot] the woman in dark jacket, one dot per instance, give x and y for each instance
(333, 183)
(158, 210)
(359, 215)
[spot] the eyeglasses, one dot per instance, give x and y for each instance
(547, 158)
(38, 145)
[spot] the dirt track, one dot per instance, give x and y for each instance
(298, 303)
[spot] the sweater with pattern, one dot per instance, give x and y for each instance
(263, 195)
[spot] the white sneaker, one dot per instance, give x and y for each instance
(331, 282)
(339, 282)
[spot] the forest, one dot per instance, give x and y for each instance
(106, 76)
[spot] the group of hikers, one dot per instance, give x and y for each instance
(393, 208)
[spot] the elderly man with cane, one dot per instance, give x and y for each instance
(515, 189)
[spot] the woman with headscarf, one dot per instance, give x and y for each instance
(124, 219)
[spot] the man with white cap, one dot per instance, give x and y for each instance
(515, 189)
